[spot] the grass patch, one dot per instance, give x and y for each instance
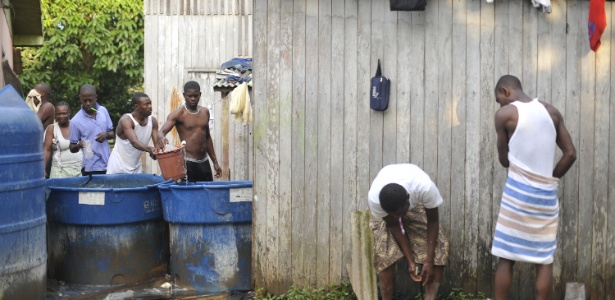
(342, 291)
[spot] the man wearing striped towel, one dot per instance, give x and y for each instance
(527, 133)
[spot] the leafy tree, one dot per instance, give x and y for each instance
(98, 42)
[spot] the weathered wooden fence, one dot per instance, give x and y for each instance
(317, 144)
(188, 40)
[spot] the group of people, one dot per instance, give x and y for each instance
(79, 146)
(404, 201)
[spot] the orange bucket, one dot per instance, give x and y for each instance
(172, 164)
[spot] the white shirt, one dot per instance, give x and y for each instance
(418, 184)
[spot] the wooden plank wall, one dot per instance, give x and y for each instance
(317, 145)
(188, 40)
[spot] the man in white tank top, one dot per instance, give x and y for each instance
(527, 133)
(134, 130)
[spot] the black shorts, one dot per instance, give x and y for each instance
(199, 171)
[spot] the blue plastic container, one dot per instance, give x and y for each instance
(108, 230)
(210, 226)
(23, 256)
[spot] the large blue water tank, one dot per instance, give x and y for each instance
(210, 227)
(106, 230)
(23, 256)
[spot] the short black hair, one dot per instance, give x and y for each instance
(136, 97)
(393, 197)
(63, 103)
(192, 85)
(87, 88)
(509, 81)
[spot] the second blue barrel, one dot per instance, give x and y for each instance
(210, 227)
(106, 230)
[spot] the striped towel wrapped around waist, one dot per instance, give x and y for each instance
(527, 223)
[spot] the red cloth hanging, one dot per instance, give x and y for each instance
(596, 23)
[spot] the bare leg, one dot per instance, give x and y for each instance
(431, 289)
(544, 281)
(387, 282)
(503, 278)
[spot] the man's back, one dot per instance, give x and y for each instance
(532, 145)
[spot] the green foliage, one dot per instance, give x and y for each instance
(342, 291)
(98, 42)
(456, 294)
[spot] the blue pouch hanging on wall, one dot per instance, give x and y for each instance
(379, 92)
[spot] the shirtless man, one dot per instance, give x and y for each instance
(192, 123)
(46, 111)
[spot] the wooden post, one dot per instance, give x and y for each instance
(361, 269)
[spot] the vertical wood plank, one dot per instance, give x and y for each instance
(390, 62)
(601, 165)
(487, 140)
(311, 141)
(609, 263)
(364, 71)
(501, 64)
(337, 142)
(458, 143)
(557, 71)
(273, 144)
(224, 133)
(586, 157)
(376, 117)
(285, 168)
(259, 244)
(150, 71)
(350, 161)
(323, 205)
(445, 112)
(403, 86)
(432, 65)
(472, 147)
(417, 95)
(515, 67)
(570, 221)
(299, 202)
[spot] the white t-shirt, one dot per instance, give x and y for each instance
(418, 184)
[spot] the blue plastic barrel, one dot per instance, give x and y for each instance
(210, 227)
(108, 230)
(23, 257)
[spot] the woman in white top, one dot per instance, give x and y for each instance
(63, 162)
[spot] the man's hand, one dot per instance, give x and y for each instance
(412, 271)
(427, 273)
(152, 153)
(162, 142)
(218, 170)
(101, 137)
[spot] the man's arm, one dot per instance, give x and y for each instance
(166, 127)
(502, 136)
(210, 149)
(126, 124)
(46, 113)
(47, 148)
(402, 241)
(564, 142)
(433, 226)
(75, 138)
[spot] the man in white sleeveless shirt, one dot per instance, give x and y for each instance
(134, 130)
(527, 133)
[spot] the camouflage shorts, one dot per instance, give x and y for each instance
(386, 250)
